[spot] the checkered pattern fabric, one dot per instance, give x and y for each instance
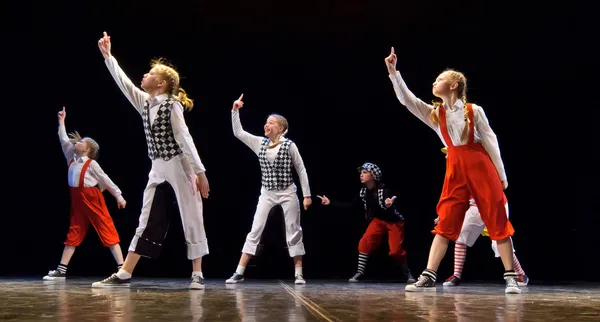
(159, 135)
(373, 169)
(278, 175)
(363, 196)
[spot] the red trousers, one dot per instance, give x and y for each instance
(374, 234)
(88, 206)
(470, 171)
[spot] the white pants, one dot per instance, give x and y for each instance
(154, 220)
(473, 227)
(291, 214)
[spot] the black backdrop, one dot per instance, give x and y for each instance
(320, 64)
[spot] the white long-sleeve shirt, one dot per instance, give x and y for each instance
(94, 174)
(254, 143)
(455, 121)
(138, 98)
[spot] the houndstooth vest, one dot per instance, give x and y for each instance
(276, 176)
(363, 196)
(159, 135)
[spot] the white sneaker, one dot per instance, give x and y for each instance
(300, 279)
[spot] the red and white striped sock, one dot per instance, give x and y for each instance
(517, 266)
(460, 255)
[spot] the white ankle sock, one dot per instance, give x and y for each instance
(240, 270)
(197, 274)
(298, 271)
(123, 274)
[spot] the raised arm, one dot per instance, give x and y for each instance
(65, 143)
(252, 141)
(136, 96)
(489, 142)
(416, 106)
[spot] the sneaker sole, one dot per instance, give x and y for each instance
(299, 283)
(512, 290)
(53, 278)
(194, 286)
(522, 284)
(449, 284)
(233, 282)
(124, 285)
(420, 289)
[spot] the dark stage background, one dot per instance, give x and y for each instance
(320, 64)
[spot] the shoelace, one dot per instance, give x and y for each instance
(511, 282)
(422, 280)
(52, 272)
(108, 279)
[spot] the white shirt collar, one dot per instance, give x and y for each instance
(458, 105)
(157, 99)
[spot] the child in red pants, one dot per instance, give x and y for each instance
(87, 202)
(378, 204)
(473, 167)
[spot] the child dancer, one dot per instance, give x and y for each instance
(87, 202)
(472, 228)
(378, 204)
(276, 155)
(473, 167)
(175, 162)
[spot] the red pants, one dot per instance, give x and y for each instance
(88, 206)
(470, 171)
(374, 233)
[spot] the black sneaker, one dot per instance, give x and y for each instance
(197, 283)
(113, 281)
(55, 276)
(425, 283)
(409, 278)
(235, 279)
(356, 278)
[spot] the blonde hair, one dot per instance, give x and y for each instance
(461, 90)
(92, 144)
(170, 75)
(283, 123)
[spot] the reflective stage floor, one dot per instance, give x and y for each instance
(263, 300)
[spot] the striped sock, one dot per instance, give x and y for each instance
(62, 268)
(510, 274)
(362, 262)
(517, 266)
(460, 255)
(119, 266)
(430, 273)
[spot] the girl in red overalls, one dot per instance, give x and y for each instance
(87, 202)
(473, 167)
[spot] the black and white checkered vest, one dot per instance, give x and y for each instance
(159, 135)
(276, 176)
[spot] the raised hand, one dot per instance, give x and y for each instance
(61, 116)
(390, 62)
(389, 201)
(436, 220)
(202, 184)
(324, 200)
(238, 103)
(104, 45)
(121, 204)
